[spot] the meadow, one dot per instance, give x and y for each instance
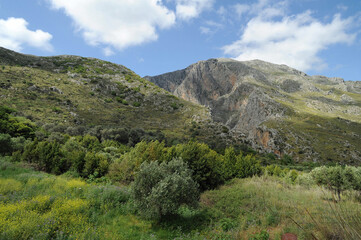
(37, 205)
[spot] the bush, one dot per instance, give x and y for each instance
(15, 126)
(206, 164)
(160, 189)
(95, 164)
(5, 144)
(124, 170)
(247, 166)
(136, 104)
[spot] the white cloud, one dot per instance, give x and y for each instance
(241, 9)
(205, 30)
(188, 9)
(293, 40)
(263, 8)
(211, 27)
(342, 7)
(117, 24)
(107, 51)
(222, 11)
(14, 34)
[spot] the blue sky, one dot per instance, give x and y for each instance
(151, 37)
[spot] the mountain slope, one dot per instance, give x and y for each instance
(77, 91)
(276, 108)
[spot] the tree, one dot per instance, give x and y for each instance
(160, 189)
(206, 164)
(247, 166)
(335, 178)
(230, 160)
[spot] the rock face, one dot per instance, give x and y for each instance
(269, 105)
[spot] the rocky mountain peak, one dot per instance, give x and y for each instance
(255, 98)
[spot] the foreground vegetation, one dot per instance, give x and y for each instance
(37, 205)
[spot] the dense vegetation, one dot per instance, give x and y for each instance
(119, 184)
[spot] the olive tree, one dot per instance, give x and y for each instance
(159, 189)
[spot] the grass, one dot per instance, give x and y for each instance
(265, 203)
(41, 206)
(36, 205)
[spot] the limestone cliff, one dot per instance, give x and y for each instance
(276, 108)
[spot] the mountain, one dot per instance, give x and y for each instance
(70, 91)
(275, 108)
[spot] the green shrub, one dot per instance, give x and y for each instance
(124, 170)
(230, 161)
(160, 189)
(95, 164)
(136, 104)
(15, 126)
(6, 145)
(247, 166)
(206, 164)
(293, 174)
(174, 105)
(286, 160)
(227, 224)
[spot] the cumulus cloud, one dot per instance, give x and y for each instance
(117, 24)
(14, 34)
(188, 9)
(293, 40)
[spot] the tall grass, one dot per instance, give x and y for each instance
(35, 205)
(273, 205)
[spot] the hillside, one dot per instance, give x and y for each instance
(276, 108)
(68, 92)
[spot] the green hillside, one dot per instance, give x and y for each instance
(73, 91)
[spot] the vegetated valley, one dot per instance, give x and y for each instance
(220, 150)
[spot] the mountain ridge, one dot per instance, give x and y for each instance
(72, 91)
(255, 98)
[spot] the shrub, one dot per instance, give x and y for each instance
(136, 104)
(5, 144)
(118, 134)
(160, 189)
(15, 126)
(205, 163)
(95, 164)
(174, 105)
(286, 160)
(125, 169)
(91, 143)
(230, 160)
(293, 174)
(247, 166)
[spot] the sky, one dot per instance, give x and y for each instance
(151, 37)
